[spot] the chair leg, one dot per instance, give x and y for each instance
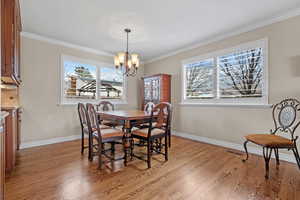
(82, 142)
(297, 157)
(246, 150)
(91, 149)
(149, 154)
(267, 155)
(169, 135)
(100, 156)
(277, 156)
(113, 149)
(166, 148)
(125, 148)
(131, 148)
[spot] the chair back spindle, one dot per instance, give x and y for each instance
(82, 115)
(162, 113)
(149, 107)
(105, 106)
(93, 124)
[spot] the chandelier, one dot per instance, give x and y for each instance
(130, 62)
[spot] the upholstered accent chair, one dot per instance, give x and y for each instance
(99, 137)
(286, 121)
(154, 135)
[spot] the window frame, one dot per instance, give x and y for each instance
(262, 101)
(65, 101)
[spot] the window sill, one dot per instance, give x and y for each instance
(241, 105)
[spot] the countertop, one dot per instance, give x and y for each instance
(5, 107)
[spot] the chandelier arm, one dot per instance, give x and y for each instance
(127, 43)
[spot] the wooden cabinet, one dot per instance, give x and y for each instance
(2, 159)
(10, 42)
(156, 88)
(11, 139)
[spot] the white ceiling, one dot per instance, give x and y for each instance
(159, 26)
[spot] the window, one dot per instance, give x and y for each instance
(199, 79)
(86, 81)
(111, 86)
(233, 76)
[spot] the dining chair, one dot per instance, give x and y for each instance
(170, 123)
(101, 137)
(144, 123)
(149, 107)
(153, 135)
(84, 126)
(106, 106)
(286, 121)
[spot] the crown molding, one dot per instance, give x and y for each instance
(251, 27)
(62, 43)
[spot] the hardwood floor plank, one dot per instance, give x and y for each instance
(194, 171)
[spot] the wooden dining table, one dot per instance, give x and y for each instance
(130, 118)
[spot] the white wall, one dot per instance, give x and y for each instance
(42, 117)
(232, 123)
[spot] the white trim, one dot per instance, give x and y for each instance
(49, 141)
(262, 43)
(239, 147)
(292, 13)
(65, 44)
(242, 105)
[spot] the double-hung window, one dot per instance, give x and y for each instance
(88, 81)
(232, 76)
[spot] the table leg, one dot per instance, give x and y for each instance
(127, 140)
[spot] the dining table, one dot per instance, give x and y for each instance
(129, 119)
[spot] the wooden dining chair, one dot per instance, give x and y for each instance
(107, 106)
(149, 107)
(170, 123)
(153, 135)
(101, 137)
(286, 120)
(144, 123)
(84, 126)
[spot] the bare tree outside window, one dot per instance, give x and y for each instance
(199, 79)
(240, 74)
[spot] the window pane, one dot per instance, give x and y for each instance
(79, 80)
(111, 83)
(199, 79)
(240, 74)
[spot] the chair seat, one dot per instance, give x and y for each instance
(269, 140)
(144, 132)
(154, 124)
(85, 129)
(109, 133)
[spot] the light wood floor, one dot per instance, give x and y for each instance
(194, 171)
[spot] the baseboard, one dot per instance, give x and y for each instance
(49, 141)
(253, 150)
